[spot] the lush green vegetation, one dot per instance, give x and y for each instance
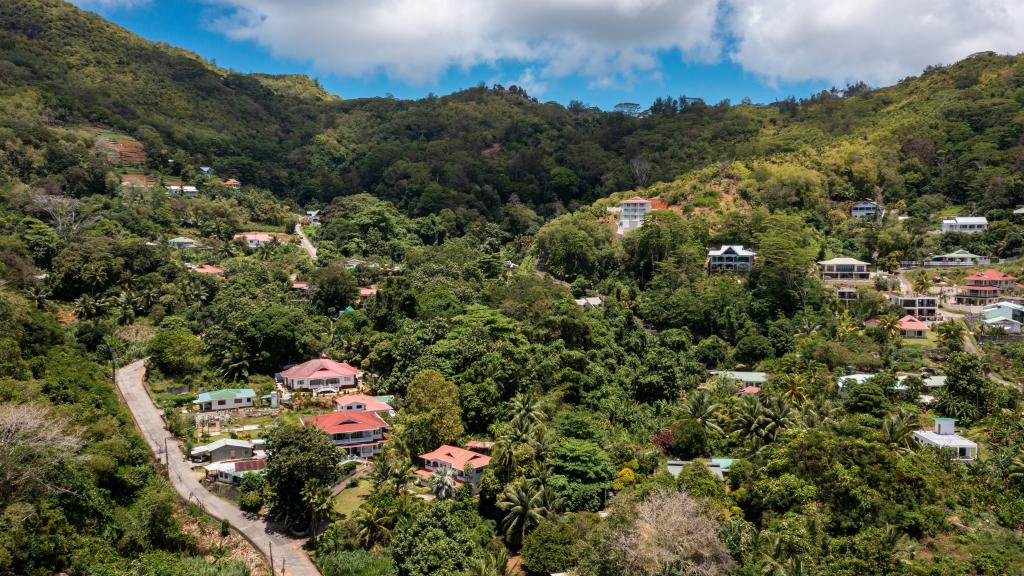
(449, 205)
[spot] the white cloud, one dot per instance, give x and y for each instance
(417, 40)
(878, 41)
(611, 42)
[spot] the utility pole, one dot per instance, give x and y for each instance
(271, 543)
(167, 459)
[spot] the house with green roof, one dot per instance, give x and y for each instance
(182, 242)
(960, 257)
(226, 399)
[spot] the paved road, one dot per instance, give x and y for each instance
(306, 244)
(288, 553)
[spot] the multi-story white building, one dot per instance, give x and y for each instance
(922, 306)
(730, 259)
(632, 213)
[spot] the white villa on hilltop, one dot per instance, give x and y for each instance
(321, 375)
(965, 224)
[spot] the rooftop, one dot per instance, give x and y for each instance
(731, 249)
(945, 440)
(843, 260)
(908, 322)
(225, 394)
(636, 200)
(371, 404)
(457, 457)
(220, 444)
(320, 368)
(991, 274)
(347, 421)
(967, 220)
(746, 377)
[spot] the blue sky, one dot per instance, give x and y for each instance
(601, 52)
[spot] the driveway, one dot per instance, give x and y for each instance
(289, 557)
(306, 244)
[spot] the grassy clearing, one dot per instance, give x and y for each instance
(351, 498)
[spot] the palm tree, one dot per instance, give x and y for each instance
(888, 324)
(950, 334)
(373, 525)
(700, 407)
(920, 283)
(491, 564)
(442, 483)
(40, 295)
(898, 431)
(793, 385)
(86, 306)
(523, 510)
(525, 407)
(317, 496)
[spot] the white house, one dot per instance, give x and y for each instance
(232, 472)
(313, 217)
(182, 242)
(847, 294)
(254, 240)
(866, 209)
(943, 436)
(1000, 311)
(224, 449)
(458, 459)
(632, 213)
(960, 257)
(922, 306)
(226, 399)
(730, 258)
(321, 375)
(588, 302)
(965, 224)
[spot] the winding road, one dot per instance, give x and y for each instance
(289, 557)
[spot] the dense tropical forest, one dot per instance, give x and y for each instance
(478, 218)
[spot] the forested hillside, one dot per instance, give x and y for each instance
(467, 266)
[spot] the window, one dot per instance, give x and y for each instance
(220, 402)
(238, 400)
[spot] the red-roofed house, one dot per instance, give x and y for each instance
(458, 459)
(321, 375)
(300, 285)
(209, 270)
(984, 288)
(366, 292)
(359, 433)
(361, 403)
(232, 183)
(911, 327)
(254, 240)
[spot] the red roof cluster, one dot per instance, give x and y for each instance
(320, 368)
(457, 457)
(344, 422)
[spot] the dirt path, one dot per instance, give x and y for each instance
(306, 244)
(289, 557)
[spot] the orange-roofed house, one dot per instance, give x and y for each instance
(254, 240)
(985, 287)
(209, 270)
(458, 459)
(911, 327)
(232, 183)
(361, 403)
(321, 375)
(366, 292)
(360, 434)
